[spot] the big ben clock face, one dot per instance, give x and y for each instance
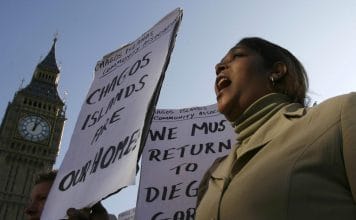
(33, 128)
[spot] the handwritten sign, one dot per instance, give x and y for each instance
(181, 145)
(113, 121)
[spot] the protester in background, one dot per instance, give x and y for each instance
(290, 161)
(39, 194)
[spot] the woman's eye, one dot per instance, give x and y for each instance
(235, 55)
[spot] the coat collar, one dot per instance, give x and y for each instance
(222, 172)
(258, 114)
(274, 114)
(280, 121)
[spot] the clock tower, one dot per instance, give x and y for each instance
(30, 136)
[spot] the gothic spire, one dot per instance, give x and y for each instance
(49, 62)
(45, 77)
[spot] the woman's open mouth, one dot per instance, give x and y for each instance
(221, 83)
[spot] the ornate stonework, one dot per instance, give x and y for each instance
(30, 136)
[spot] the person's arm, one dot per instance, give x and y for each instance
(348, 129)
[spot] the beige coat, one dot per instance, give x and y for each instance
(300, 164)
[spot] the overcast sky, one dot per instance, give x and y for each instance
(321, 33)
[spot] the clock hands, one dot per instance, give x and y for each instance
(35, 125)
(34, 128)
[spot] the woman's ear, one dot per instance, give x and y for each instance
(279, 70)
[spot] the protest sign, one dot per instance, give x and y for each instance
(180, 147)
(113, 121)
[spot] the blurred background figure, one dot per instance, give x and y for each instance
(38, 197)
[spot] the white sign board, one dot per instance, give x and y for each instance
(103, 151)
(181, 146)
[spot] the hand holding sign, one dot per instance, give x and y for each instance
(97, 212)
